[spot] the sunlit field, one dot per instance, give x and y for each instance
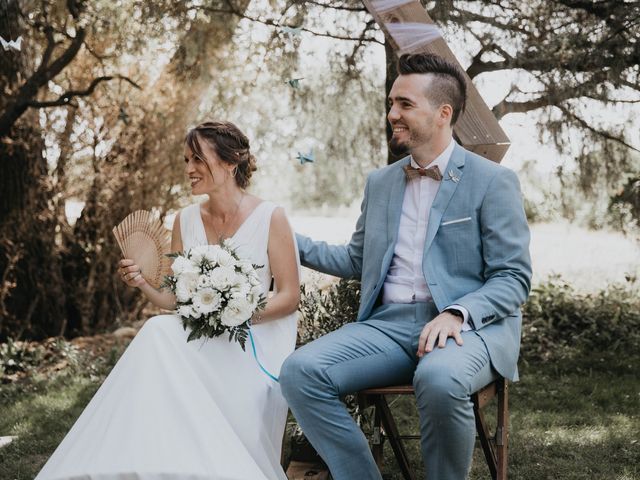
(587, 259)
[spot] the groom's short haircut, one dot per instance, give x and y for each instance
(448, 84)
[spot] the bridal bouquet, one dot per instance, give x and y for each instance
(216, 291)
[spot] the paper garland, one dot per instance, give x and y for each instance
(382, 6)
(411, 36)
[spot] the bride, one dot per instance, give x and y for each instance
(203, 410)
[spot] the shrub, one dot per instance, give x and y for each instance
(324, 311)
(560, 323)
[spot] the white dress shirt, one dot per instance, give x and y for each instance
(405, 281)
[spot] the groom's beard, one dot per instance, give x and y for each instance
(398, 148)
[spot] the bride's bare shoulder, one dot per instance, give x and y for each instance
(252, 201)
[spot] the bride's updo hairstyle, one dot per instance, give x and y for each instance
(229, 143)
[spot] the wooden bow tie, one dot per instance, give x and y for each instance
(431, 172)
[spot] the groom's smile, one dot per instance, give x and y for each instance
(412, 115)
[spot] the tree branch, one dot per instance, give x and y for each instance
(335, 7)
(45, 72)
(273, 23)
(351, 60)
(505, 106)
(67, 96)
(603, 133)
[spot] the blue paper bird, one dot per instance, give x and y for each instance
(306, 157)
(123, 115)
(293, 31)
(294, 82)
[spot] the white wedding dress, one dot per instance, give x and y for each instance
(172, 410)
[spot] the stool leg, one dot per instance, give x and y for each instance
(485, 442)
(502, 430)
(391, 430)
(377, 442)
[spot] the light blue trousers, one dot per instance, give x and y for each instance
(382, 351)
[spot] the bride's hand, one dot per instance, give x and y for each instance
(130, 273)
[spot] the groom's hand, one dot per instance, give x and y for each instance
(445, 325)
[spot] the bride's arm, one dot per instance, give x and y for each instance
(284, 268)
(130, 274)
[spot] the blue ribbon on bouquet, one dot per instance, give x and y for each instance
(255, 355)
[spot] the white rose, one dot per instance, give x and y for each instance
(186, 286)
(240, 289)
(245, 266)
(205, 252)
(256, 290)
(185, 311)
(205, 281)
(222, 278)
(254, 280)
(229, 244)
(182, 264)
(236, 312)
(225, 259)
(206, 300)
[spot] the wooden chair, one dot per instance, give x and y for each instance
(494, 446)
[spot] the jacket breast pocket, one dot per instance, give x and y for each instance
(459, 239)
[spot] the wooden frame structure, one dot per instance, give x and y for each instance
(494, 446)
(477, 129)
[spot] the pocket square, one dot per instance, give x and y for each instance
(458, 220)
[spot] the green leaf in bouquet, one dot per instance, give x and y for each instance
(193, 335)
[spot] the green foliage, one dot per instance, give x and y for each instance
(625, 205)
(326, 311)
(22, 362)
(18, 357)
(560, 323)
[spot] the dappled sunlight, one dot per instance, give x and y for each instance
(622, 428)
(51, 405)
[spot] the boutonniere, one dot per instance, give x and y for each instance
(452, 176)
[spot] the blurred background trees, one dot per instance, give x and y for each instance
(94, 107)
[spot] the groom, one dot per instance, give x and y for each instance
(441, 249)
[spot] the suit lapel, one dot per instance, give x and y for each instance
(451, 177)
(396, 196)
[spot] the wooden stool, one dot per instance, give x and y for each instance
(384, 426)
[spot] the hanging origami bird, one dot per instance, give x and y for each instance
(293, 31)
(123, 115)
(306, 157)
(294, 82)
(12, 44)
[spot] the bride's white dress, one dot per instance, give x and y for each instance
(172, 410)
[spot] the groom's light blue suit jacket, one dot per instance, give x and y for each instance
(476, 252)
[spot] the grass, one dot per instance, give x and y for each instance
(566, 423)
(39, 414)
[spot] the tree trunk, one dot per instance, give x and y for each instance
(391, 75)
(31, 289)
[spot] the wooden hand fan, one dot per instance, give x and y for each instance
(143, 238)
